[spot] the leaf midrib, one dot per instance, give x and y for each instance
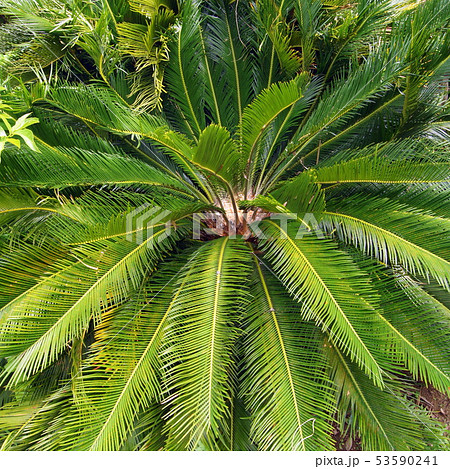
(285, 357)
(214, 321)
(390, 233)
(86, 293)
(330, 295)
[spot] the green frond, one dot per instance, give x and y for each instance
(96, 215)
(217, 152)
(310, 18)
(330, 288)
(301, 194)
(97, 106)
(417, 323)
(150, 7)
(13, 416)
(275, 31)
(224, 38)
(383, 419)
(122, 378)
(24, 51)
(100, 214)
(35, 334)
(437, 293)
(148, 431)
(428, 49)
(185, 74)
(59, 167)
(53, 132)
(283, 371)
(240, 421)
(17, 277)
(289, 60)
(346, 95)
(259, 133)
(133, 223)
(342, 101)
(387, 230)
(422, 325)
(380, 168)
(433, 199)
(39, 428)
(430, 198)
(202, 328)
(17, 202)
(148, 45)
(141, 40)
(197, 84)
(347, 31)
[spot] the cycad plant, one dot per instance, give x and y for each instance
(264, 258)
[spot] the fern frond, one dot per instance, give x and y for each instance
(185, 76)
(281, 100)
(123, 376)
(35, 334)
(379, 169)
(223, 37)
(381, 418)
(57, 167)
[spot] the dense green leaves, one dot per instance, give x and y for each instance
(328, 295)
(283, 371)
(383, 418)
(228, 228)
(202, 328)
(394, 234)
(38, 334)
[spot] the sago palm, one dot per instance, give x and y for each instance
(265, 258)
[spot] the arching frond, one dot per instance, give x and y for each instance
(202, 326)
(42, 425)
(283, 370)
(18, 276)
(56, 167)
(275, 37)
(417, 323)
(309, 17)
(432, 199)
(379, 169)
(312, 270)
(381, 418)
(185, 74)
(225, 41)
(388, 231)
(122, 378)
(301, 194)
(217, 152)
(258, 133)
(35, 334)
(422, 325)
(341, 102)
